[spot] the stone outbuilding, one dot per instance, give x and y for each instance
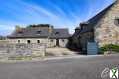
(42, 33)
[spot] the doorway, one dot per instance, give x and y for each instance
(28, 41)
(57, 42)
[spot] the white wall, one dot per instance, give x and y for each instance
(48, 42)
(52, 43)
(63, 42)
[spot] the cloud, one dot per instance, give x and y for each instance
(24, 11)
(62, 13)
(6, 29)
(37, 9)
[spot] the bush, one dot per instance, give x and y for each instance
(109, 47)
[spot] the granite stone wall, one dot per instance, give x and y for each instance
(23, 49)
(50, 43)
(107, 31)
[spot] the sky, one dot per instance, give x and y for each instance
(59, 13)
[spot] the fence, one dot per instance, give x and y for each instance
(23, 49)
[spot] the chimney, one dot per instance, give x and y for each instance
(18, 28)
(50, 29)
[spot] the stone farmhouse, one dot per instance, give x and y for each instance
(101, 29)
(42, 33)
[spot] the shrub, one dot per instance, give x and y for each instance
(109, 47)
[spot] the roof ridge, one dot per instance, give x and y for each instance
(60, 28)
(105, 9)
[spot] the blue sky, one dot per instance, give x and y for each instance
(60, 13)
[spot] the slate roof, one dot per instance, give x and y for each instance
(60, 33)
(41, 33)
(94, 20)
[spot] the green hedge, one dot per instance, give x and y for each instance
(109, 47)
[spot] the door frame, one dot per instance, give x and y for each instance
(57, 42)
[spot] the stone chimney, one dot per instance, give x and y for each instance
(18, 28)
(50, 29)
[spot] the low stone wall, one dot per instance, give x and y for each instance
(23, 49)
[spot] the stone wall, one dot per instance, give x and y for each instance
(24, 40)
(23, 49)
(63, 42)
(51, 43)
(107, 31)
(48, 42)
(34, 40)
(4, 41)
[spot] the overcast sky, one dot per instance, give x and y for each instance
(60, 13)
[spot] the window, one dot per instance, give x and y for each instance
(20, 32)
(62, 40)
(18, 41)
(56, 33)
(38, 32)
(38, 41)
(51, 40)
(116, 21)
(28, 41)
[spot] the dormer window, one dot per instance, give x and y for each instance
(38, 32)
(56, 33)
(20, 32)
(116, 21)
